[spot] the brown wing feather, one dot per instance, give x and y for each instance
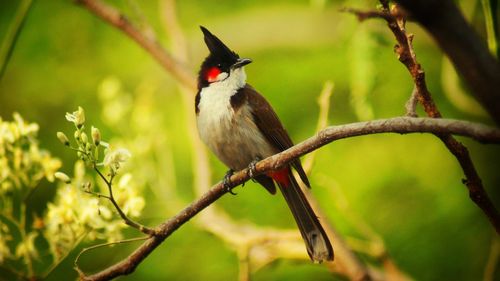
(270, 125)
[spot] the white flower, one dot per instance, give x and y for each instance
(77, 117)
(113, 158)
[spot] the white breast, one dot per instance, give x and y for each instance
(232, 136)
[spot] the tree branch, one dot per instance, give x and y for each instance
(400, 125)
(396, 22)
(120, 21)
(468, 52)
(407, 56)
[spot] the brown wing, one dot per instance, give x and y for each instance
(269, 124)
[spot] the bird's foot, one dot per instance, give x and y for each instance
(252, 167)
(226, 181)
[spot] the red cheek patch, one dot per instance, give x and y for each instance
(212, 74)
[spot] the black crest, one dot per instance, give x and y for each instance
(220, 56)
(218, 50)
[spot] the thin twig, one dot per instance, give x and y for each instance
(98, 195)
(84, 250)
(60, 259)
(109, 183)
(411, 104)
(401, 125)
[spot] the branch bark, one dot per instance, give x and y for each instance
(468, 52)
(396, 22)
(400, 125)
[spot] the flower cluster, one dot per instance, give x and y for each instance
(23, 164)
(78, 208)
(77, 213)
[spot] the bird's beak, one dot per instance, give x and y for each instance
(241, 62)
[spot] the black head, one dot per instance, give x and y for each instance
(221, 60)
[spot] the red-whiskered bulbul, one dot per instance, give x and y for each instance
(240, 127)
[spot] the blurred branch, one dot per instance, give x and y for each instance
(454, 90)
(492, 263)
(401, 125)
(12, 34)
(489, 19)
(324, 110)
(404, 49)
(114, 17)
(346, 261)
(172, 28)
(468, 52)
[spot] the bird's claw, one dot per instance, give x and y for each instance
(226, 181)
(252, 167)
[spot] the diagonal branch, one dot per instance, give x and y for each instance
(407, 56)
(120, 21)
(400, 125)
(468, 52)
(396, 22)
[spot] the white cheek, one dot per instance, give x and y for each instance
(221, 76)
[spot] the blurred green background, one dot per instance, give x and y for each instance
(407, 188)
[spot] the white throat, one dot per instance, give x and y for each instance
(215, 99)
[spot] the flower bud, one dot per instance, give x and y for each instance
(84, 137)
(88, 147)
(62, 177)
(96, 136)
(63, 138)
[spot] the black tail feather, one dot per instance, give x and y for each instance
(318, 246)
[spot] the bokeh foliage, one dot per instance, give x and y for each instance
(408, 188)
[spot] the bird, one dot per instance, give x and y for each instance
(240, 127)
